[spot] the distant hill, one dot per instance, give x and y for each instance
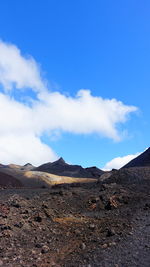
(143, 160)
(60, 167)
(8, 181)
(28, 177)
(27, 167)
(94, 171)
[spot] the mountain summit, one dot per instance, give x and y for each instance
(60, 161)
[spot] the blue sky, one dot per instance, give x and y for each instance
(103, 46)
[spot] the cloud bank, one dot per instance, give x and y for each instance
(119, 162)
(23, 125)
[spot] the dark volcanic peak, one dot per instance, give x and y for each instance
(27, 164)
(60, 167)
(27, 167)
(48, 165)
(61, 160)
(143, 160)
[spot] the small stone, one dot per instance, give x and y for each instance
(92, 226)
(1, 263)
(110, 232)
(83, 246)
(34, 252)
(104, 245)
(48, 212)
(19, 225)
(45, 206)
(67, 234)
(45, 249)
(38, 218)
(130, 233)
(38, 245)
(147, 205)
(61, 193)
(112, 244)
(16, 205)
(95, 199)
(26, 226)
(25, 212)
(77, 232)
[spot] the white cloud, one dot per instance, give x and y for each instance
(53, 111)
(83, 114)
(24, 148)
(18, 70)
(119, 162)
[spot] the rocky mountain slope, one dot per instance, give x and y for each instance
(60, 167)
(8, 181)
(134, 175)
(143, 160)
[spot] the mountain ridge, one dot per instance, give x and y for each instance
(60, 167)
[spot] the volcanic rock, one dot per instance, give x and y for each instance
(72, 234)
(134, 175)
(104, 223)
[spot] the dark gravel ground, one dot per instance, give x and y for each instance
(89, 225)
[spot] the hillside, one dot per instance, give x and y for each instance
(132, 175)
(38, 179)
(60, 167)
(8, 181)
(143, 160)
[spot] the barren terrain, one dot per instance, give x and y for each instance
(51, 220)
(72, 225)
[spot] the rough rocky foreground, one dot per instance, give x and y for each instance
(99, 224)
